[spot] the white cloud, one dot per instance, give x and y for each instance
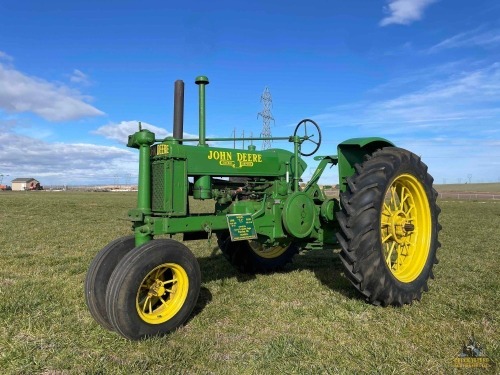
(80, 78)
(451, 120)
(446, 161)
(120, 132)
(468, 95)
(62, 163)
(58, 163)
(6, 57)
(473, 38)
(53, 102)
(404, 12)
(482, 85)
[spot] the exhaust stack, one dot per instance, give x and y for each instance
(178, 109)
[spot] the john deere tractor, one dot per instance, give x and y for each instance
(385, 221)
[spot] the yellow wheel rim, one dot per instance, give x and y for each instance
(162, 293)
(405, 228)
(265, 251)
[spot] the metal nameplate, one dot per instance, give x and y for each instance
(241, 227)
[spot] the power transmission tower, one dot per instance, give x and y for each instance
(267, 103)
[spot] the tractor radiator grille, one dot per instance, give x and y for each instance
(158, 186)
(169, 188)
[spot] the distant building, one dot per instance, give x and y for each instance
(20, 184)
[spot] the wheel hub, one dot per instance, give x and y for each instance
(162, 293)
(157, 289)
(405, 227)
(400, 227)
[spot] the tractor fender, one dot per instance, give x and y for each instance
(353, 151)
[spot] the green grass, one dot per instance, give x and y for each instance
(305, 320)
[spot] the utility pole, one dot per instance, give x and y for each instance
(267, 103)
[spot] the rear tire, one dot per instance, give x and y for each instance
(253, 257)
(153, 290)
(389, 227)
(98, 275)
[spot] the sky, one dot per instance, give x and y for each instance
(77, 76)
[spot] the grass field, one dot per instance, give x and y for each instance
(305, 320)
(493, 188)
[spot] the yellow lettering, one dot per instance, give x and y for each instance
(225, 158)
(220, 155)
(225, 155)
(162, 149)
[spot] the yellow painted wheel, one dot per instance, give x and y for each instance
(162, 293)
(255, 257)
(153, 289)
(388, 227)
(405, 228)
(268, 252)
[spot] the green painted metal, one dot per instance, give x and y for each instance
(324, 161)
(202, 81)
(299, 212)
(142, 140)
(170, 186)
(268, 193)
(218, 161)
(202, 188)
(353, 151)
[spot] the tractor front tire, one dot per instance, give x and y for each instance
(153, 290)
(98, 276)
(253, 257)
(389, 227)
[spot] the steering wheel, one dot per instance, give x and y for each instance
(308, 137)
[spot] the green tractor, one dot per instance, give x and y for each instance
(385, 222)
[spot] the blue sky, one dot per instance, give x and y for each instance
(76, 76)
